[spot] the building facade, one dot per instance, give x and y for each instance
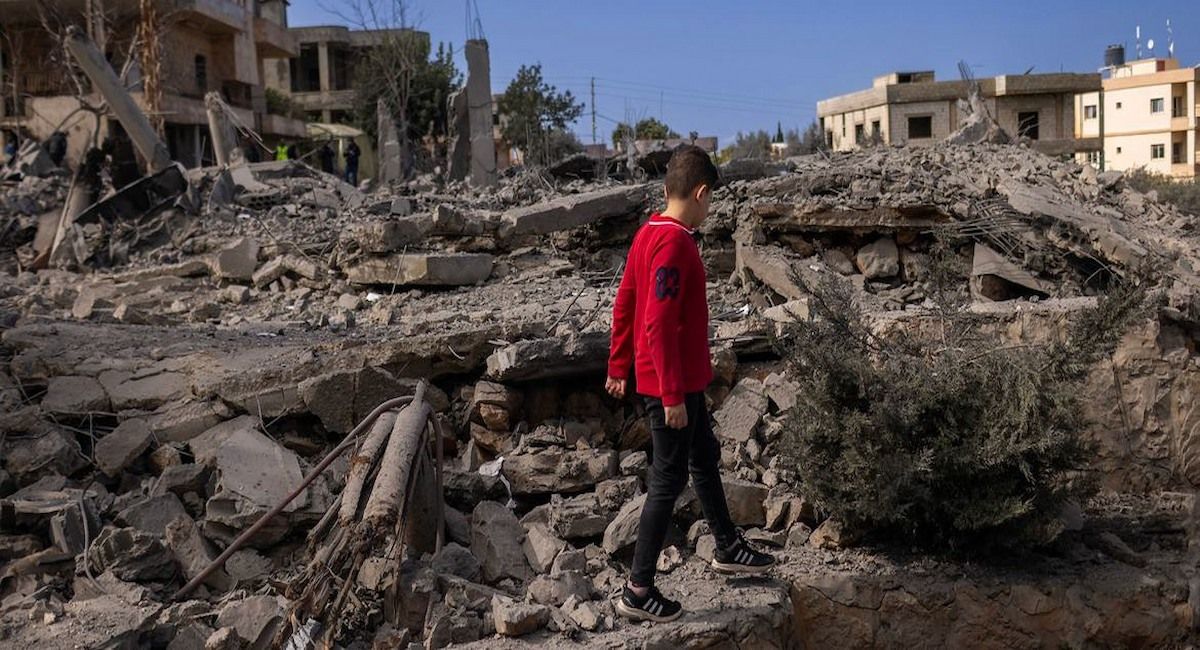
(319, 77)
(206, 46)
(1146, 117)
(913, 108)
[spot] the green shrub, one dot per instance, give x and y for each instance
(947, 440)
(1183, 194)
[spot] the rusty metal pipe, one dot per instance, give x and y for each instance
(312, 476)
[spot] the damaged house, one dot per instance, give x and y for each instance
(215, 46)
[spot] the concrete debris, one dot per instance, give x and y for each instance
(496, 539)
(115, 451)
(518, 619)
(219, 364)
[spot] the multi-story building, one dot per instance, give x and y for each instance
(1147, 116)
(206, 45)
(913, 108)
(320, 75)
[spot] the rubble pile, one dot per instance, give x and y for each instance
(155, 410)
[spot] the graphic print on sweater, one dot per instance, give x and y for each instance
(666, 282)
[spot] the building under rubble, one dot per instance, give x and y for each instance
(914, 108)
(208, 45)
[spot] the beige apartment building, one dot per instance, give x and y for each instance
(206, 45)
(320, 75)
(913, 108)
(1146, 116)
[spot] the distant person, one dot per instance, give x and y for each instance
(352, 154)
(660, 333)
(253, 155)
(56, 147)
(327, 155)
(293, 153)
(281, 152)
(10, 151)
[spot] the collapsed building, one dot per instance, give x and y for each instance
(255, 406)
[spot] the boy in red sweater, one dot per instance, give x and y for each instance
(660, 330)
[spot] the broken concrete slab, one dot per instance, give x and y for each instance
(518, 619)
(622, 531)
(792, 311)
(557, 470)
(781, 391)
(771, 267)
(236, 261)
(131, 555)
(580, 517)
(554, 590)
(255, 619)
(879, 259)
(496, 539)
(745, 501)
(184, 419)
(379, 237)
(422, 269)
(152, 515)
(573, 211)
(204, 446)
(43, 451)
(455, 560)
(115, 451)
(541, 547)
(253, 473)
(992, 276)
(73, 395)
(183, 478)
(549, 358)
(151, 390)
(194, 553)
(743, 409)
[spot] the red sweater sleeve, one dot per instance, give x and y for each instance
(663, 293)
(620, 353)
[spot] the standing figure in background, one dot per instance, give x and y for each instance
(352, 154)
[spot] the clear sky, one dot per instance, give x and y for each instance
(718, 67)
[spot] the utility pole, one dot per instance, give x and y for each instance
(593, 110)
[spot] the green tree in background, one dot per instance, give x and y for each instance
(538, 115)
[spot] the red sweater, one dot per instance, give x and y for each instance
(660, 318)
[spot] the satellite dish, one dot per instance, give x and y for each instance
(1150, 45)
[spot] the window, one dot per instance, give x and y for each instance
(1158, 151)
(1089, 112)
(1093, 157)
(843, 126)
(1118, 150)
(1027, 125)
(858, 133)
(1156, 105)
(875, 130)
(1118, 106)
(822, 124)
(201, 73)
(829, 139)
(920, 127)
(1177, 153)
(1177, 107)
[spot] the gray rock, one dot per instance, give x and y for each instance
(879, 259)
(838, 261)
(622, 531)
(541, 547)
(255, 619)
(457, 561)
(154, 514)
(559, 470)
(518, 619)
(554, 590)
(131, 555)
(236, 261)
(743, 409)
(496, 539)
(194, 553)
(123, 445)
(579, 517)
(74, 395)
(422, 269)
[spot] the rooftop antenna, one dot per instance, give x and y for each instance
(1138, 33)
(1150, 46)
(1170, 40)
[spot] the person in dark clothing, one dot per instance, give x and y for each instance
(327, 156)
(293, 152)
(660, 332)
(10, 150)
(352, 154)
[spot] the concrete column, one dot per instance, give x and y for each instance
(479, 100)
(101, 74)
(323, 66)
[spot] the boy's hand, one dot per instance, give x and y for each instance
(676, 416)
(615, 387)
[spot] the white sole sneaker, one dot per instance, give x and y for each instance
(636, 614)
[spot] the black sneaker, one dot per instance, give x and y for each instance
(651, 607)
(740, 557)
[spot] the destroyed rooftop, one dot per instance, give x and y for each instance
(193, 363)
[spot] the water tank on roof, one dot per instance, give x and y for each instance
(1114, 55)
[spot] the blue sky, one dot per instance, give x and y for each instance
(720, 67)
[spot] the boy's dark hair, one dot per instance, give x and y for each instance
(689, 168)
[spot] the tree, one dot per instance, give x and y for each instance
(811, 141)
(646, 129)
(535, 111)
(778, 133)
(755, 145)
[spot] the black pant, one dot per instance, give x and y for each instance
(693, 450)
